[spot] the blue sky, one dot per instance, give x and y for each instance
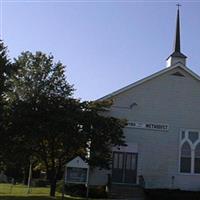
(105, 45)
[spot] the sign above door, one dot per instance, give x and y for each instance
(150, 126)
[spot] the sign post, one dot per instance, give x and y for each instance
(30, 176)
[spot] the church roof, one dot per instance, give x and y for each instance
(177, 54)
(159, 73)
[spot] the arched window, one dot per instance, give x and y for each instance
(197, 159)
(185, 165)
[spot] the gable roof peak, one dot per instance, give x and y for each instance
(159, 73)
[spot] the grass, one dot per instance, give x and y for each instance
(9, 189)
(19, 192)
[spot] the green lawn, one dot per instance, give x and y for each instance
(19, 192)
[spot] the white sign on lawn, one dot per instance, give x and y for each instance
(76, 171)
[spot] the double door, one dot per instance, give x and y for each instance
(124, 167)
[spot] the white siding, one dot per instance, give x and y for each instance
(168, 99)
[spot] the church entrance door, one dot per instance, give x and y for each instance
(124, 168)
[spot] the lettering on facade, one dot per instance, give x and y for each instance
(150, 126)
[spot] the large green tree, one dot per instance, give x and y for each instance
(50, 125)
(41, 101)
(49, 131)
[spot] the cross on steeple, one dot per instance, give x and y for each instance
(178, 5)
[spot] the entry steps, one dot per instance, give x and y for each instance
(119, 191)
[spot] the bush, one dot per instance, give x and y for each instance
(98, 192)
(72, 189)
(80, 190)
(76, 190)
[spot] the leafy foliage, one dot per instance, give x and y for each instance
(103, 132)
(46, 123)
(40, 106)
(38, 75)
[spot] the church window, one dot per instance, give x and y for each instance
(182, 134)
(189, 158)
(197, 159)
(185, 166)
(193, 136)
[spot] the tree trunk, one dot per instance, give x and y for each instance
(25, 176)
(53, 187)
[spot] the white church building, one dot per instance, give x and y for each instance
(163, 131)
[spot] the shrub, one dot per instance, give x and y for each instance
(80, 190)
(76, 190)
(98, 192)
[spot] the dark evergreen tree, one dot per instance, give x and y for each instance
(5, 72)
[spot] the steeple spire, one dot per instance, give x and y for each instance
(177, 45)
(177, 56)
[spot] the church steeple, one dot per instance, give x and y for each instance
(177, 56)
(177, 45)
